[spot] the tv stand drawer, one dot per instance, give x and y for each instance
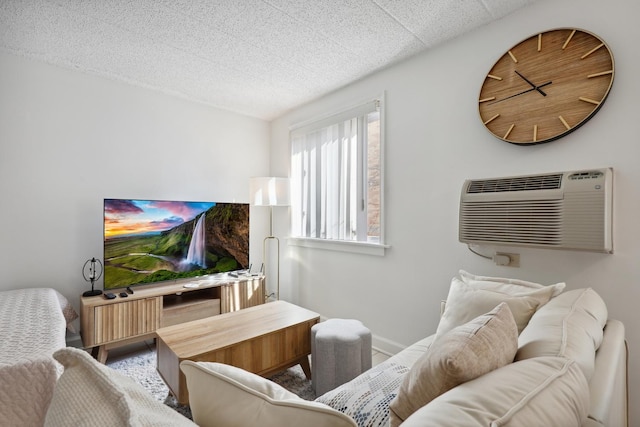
(126, 319)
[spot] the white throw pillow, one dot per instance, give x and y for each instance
(91, 394)
(544, 391)
(488, 342)
(465, 302)
(225, 396)
(513, 285)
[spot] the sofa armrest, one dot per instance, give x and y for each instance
(225, 396)
(609, 384)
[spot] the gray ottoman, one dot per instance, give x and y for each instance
(340, 351)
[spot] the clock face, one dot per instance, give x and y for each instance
(546, 86)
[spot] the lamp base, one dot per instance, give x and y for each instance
(92, 293)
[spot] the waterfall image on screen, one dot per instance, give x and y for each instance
(149, 241)
(196, 254)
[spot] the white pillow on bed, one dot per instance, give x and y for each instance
(68, 311)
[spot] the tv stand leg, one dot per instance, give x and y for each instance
(100, 353)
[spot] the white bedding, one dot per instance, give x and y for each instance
(32, 328)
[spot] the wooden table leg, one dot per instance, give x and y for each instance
(304, 364)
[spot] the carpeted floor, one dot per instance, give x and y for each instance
(141, 366)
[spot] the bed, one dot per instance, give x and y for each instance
(33, 324)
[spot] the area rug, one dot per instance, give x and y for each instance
(141, 367)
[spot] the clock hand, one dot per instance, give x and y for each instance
(512, 96)
(532, 85)
(521, 93)
(525, 79)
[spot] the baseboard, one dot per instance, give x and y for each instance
(386, 346)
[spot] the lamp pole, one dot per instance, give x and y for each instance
(270, 191)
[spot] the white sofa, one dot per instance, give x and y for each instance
(569, 369)
(563, 334)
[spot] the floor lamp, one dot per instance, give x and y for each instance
(270, 191)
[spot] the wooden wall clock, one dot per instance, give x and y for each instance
(546, 86)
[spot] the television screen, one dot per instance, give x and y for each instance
(150, 241)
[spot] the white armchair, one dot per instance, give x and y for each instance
(225, 396)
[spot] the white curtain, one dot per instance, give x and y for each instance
(327, 177)
(324, 176)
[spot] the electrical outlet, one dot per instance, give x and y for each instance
(507, 259)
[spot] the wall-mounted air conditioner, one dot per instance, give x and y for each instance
(565, 210)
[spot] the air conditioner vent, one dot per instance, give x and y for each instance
(518, 183)
(566, 210)
(525, 222)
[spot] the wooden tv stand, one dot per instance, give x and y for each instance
(109, 323)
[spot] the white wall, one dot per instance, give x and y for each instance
(68, 140)
(434, 140)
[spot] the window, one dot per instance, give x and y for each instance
(336, 174)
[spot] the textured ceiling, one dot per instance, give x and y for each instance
(255, 57)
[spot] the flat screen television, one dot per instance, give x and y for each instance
(152, 241)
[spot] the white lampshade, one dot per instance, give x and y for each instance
(269, 191)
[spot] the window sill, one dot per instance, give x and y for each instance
(366, 248)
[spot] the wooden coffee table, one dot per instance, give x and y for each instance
(264, 339)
